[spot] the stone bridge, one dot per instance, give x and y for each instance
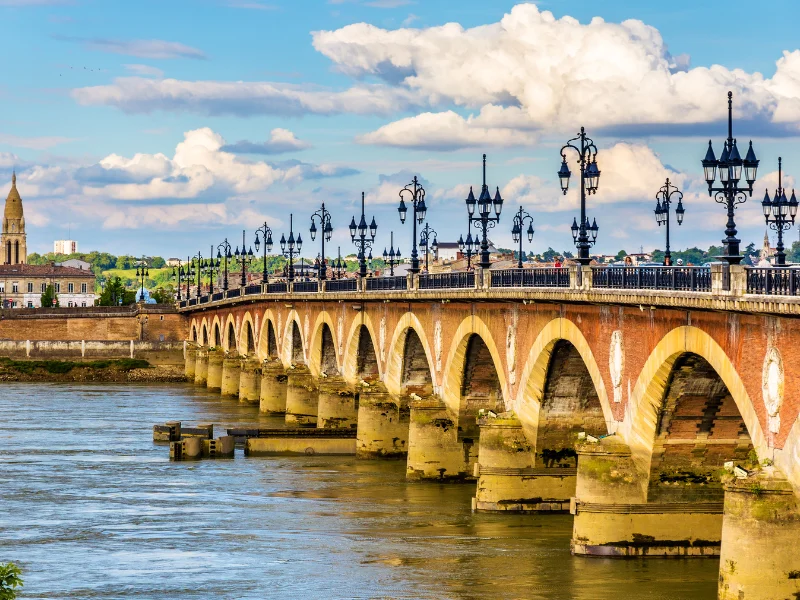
(665, 420)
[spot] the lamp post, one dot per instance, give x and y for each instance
(339, 267)
(730, 165)
(142, 272)
(520, 219)
(590, 177)
(358, 235)
(177, 272)
(244, 258)
(779, 213)
(224, 254)
(424, 241)
(291, 249)
(663, 202)
(416, 195)
(467, 247)
(484, 220)
(197, 269)
(266, 233)
(392, 257)
(324, 218)
(187, 276)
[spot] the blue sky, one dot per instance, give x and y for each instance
(160, 127)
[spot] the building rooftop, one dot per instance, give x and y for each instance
(43, 271)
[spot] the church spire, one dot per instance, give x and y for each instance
(14, 178)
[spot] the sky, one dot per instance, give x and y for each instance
(161, 128)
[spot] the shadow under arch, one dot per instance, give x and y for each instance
(217, 332)
(230, 341)
(293, 347)
(408, 348)
(323, 349)
(267, 337)
(247, 341)
(360, 347)
(193, 335)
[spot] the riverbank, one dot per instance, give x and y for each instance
(112, 371)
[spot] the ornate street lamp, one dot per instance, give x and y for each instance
(211, 267)
(339, 266)
(291, 248)
(324, 218)
(590, 177)
(266, 233)
(416, 195)
(467, 247)
(663, 202)
(142, 272)
(187, 275)
(224, 254)
(244, 257)
(392, 257)
(358, 235)
(730, 165)
(779, 213)
(424, 241)
(520, 219)
(177, 272)
(484, 218)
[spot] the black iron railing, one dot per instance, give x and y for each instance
(305, 287)
(279, 287)
(537, 277)
(192, 301)
(692, 279)
(396, 282)
(776, 281)
(443, 281)
(252, 289)
(182, 303)
(234, 293)
(217, 296)
(342, 285)
(205, 299)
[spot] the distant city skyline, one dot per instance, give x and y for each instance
(139, 131)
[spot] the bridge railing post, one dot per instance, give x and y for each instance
(290, 287)
(728, 280)
(411, 282)
(322, 286)
(483, 278)
(574, 277)
(587, 277)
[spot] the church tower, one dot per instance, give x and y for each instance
(13, 241)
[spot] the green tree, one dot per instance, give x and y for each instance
(620, 256)
(114, 291)
(157, 262)
(10, 580)
(793, 254)
(549, 255)
(49, 297)
(164, 295)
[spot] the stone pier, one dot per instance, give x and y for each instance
(273, 388)
(302, 398)
(337, 404)
(760, 529)
(508, 479)
(250, 381)
(190, 362)
(231, 370)
(215, 358)
(434, 451)
(201, 367)
(382, 423)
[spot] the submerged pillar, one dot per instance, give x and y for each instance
(201, 367)
(250, 381)
(231, 370)
(215, 358)
(434, 451)
(302, 398)
(338, 408)
(760, 528)
(273, 388)
(382, 423)
(190, 362)
(508, 479)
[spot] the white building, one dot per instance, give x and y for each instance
(173, 262)
(65, 247)
(76, 263)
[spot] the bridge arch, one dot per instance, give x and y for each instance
(323, 348)
(293, 348)
(204, 331)
(267, 338)
(230, 341)
(361, 359)
(247, 338)
(193, 331)
(409, 363)
(216, 330)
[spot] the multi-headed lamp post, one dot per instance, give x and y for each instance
(484, 218)
(467, 248)
(520, 218)
(177, 272)
(291, 248)
(142, 272)
(197, 269)
(730, 165)
(339, 266)
(779, 213)
(224, 254)
(358, 235)
(392, 257)
(416, 195)
(664, 198)
(590, 178)
(212, 267)
(324, 218)
(244, 257)
(426, 243)
(266, 233)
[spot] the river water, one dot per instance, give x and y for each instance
(91, 508)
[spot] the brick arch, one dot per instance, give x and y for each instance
(639, 430)
(247, 321)
(193, 330)
(362, 331)
(268, 337)
(287, 354)
(216, 332)
(319, 343)
(395, 362)
(228, 332)
(534, 377)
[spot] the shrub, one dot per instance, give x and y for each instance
(10, 580)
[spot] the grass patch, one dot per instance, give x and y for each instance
(61, 367)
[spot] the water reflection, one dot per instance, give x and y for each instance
(92, 509)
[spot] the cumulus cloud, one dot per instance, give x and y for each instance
(145, 70)
(279, 142)
(154, 49)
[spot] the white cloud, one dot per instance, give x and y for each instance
(32, 143)
(153, 49)
(279, 142)
(145, 70)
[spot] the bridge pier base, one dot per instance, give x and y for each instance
(434, 451)
(273, 388)
(507, 479)
(231, 372)
(760, 529)
(214, 381)
(190, 363)
(302, 399)
(382, 424)
(337, 405)
(614, 519)
(201, 367)
(250, 381)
